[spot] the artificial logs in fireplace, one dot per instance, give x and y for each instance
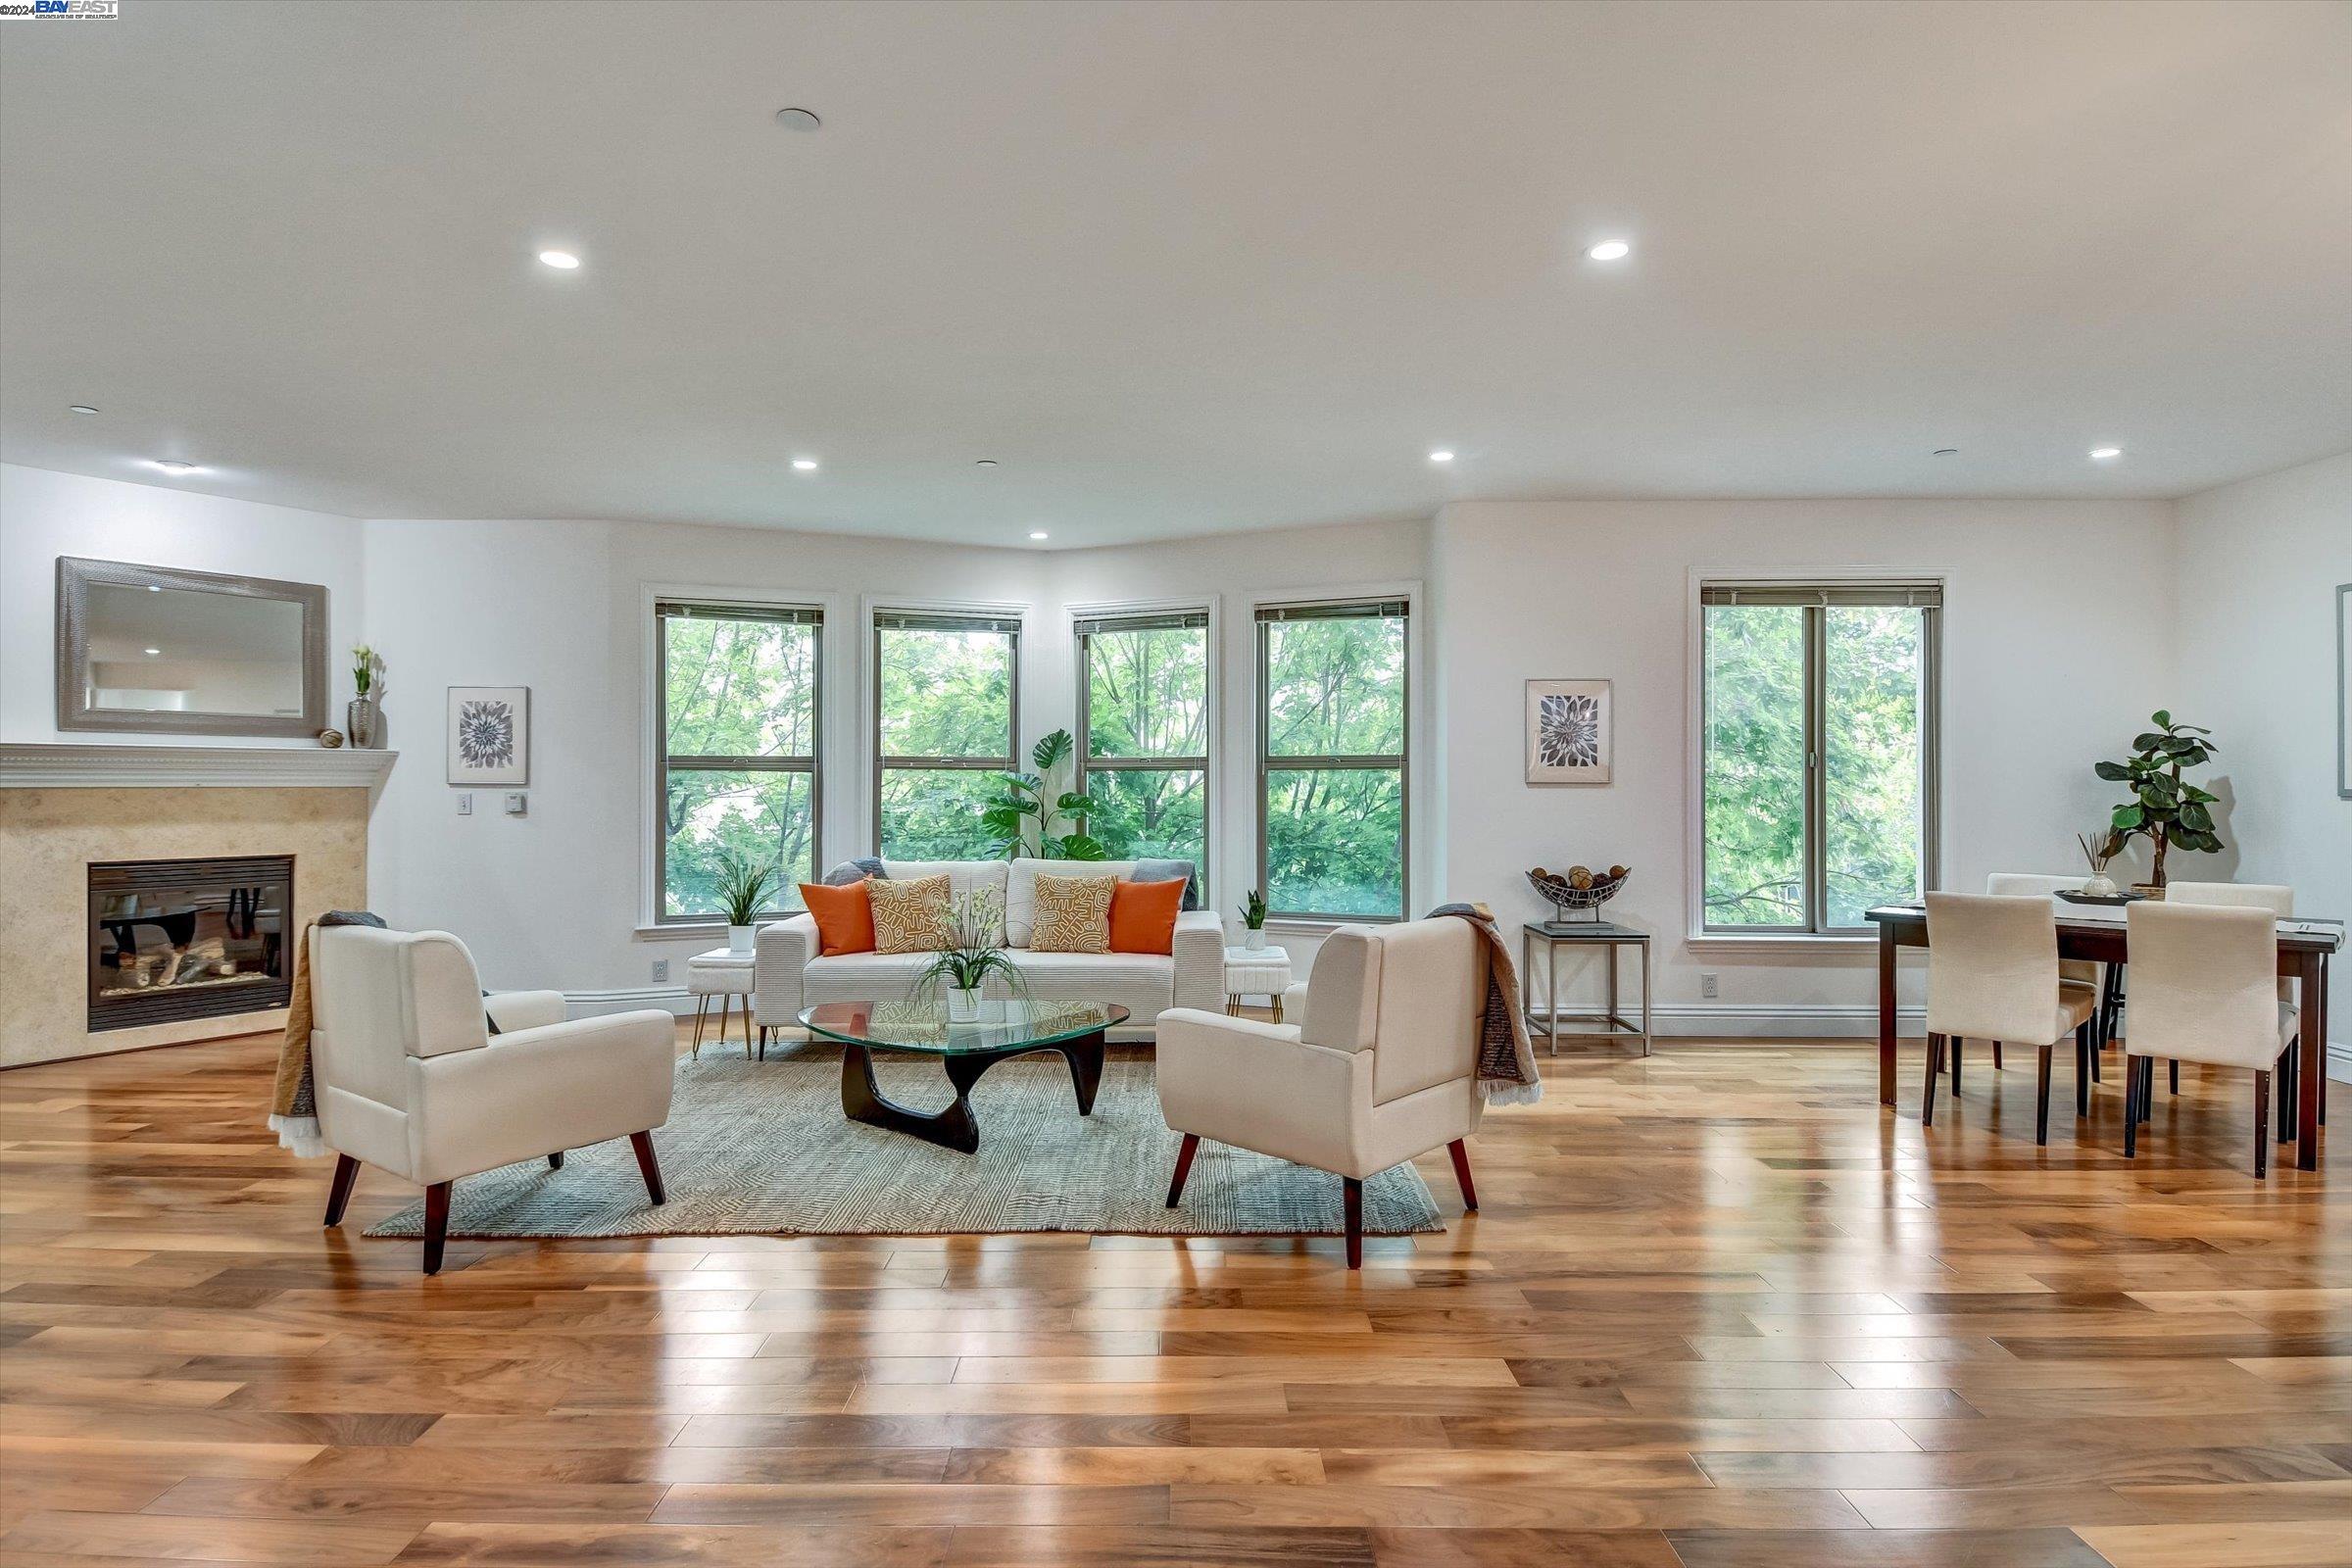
(174, 939)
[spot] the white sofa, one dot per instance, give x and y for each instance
(791, 976)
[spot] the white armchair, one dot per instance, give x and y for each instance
(1380, 1067)
(409, 1078)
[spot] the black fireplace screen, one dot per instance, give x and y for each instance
(189, 939)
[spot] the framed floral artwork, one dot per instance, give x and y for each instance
(489, 735)
(1570, 737)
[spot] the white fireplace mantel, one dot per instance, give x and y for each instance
(50, 766)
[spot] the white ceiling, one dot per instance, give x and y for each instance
(1180, 269)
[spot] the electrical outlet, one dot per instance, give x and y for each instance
(517, 803)
(466, 804)
(661, 971)
(1707, 982)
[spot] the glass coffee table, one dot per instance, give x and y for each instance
(1004, 1028)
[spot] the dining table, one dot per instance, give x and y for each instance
(2099, 932)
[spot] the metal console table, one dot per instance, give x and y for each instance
(1557, 933)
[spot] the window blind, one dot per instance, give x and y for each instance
(1919, 594)
(771, 615)
(947, 621)
(1353, 610)
(1143, 620)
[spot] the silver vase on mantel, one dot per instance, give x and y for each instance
(364, 723)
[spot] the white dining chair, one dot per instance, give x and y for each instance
(2071, 971)
(2280, 899)
(1992, 975)
(2204, 988)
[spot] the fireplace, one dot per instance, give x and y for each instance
(171, 939)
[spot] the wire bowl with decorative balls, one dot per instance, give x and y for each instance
(1562, 890)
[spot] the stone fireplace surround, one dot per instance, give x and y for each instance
(64, 808)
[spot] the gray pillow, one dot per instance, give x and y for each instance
(849, 871)
(1169, 872)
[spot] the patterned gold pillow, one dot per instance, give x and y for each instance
(1073, 913)
(909, 916)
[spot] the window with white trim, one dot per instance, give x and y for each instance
(1817, 751)
(1142, 708)
(946, 714)
(1332, 758)
(736, 694)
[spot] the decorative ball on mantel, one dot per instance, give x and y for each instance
(330, 738)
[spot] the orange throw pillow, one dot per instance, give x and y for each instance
(1143, 917)
(845, 917)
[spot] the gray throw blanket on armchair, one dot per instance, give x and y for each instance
(1507, 1063)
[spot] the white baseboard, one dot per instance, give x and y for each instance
(1790, 1020)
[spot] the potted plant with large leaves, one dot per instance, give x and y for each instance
(2165, 808)
(1028, 817)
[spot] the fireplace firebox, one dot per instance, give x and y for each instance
(174, 939)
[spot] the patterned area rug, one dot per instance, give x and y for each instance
(761, 1147)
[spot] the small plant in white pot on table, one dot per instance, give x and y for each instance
(975, 925)
(1254, 920)
(743, 889)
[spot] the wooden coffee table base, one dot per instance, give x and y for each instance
(957, 1127)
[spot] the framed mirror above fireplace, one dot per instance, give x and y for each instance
(160, 650)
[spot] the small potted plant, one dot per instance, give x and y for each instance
(1254, 920)
(970, 957)
(2170, 811)
(743, 889)
(2098, 850)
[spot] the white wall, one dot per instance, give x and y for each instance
(2259, 563)
(2055, 646)
(555, 898)
(44, 515)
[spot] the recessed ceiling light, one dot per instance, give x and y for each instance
(1037, 533)
(2105, 453)
(804, 465)
(1440, 455)
(80, 408)
(797, 119)
(153, 652)
(155, 587)
(174, 466)
(985, 462)
(1610, 249)
(561, 261)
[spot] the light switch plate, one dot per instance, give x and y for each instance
(466, 804)
(661, 971)
(517, 803)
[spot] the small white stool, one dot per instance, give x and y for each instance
(726, 974)
(1252, 972)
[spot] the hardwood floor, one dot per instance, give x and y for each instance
(1718, 1309)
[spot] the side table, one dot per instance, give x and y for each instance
(1259, 972)
(726, 975)
(1557, 934)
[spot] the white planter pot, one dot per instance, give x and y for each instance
(1254, 941)
(964, 1006)
(2099, 887)
(740, 937)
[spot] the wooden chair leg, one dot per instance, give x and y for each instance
(763, 1042)
(2289, 1088)
(2262, 1126)
(2175, 1069)
(648, 1165)
(1927, 1104)
(555, 1161)
(436, 1225)
(1460, 1151)
(1997, 1055)
(338, 1191)
(2086, 1052)
(1352, 1199)
(1953, 1046)
(2130, 1106)
(2041, 1110)
(1184, 1166)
